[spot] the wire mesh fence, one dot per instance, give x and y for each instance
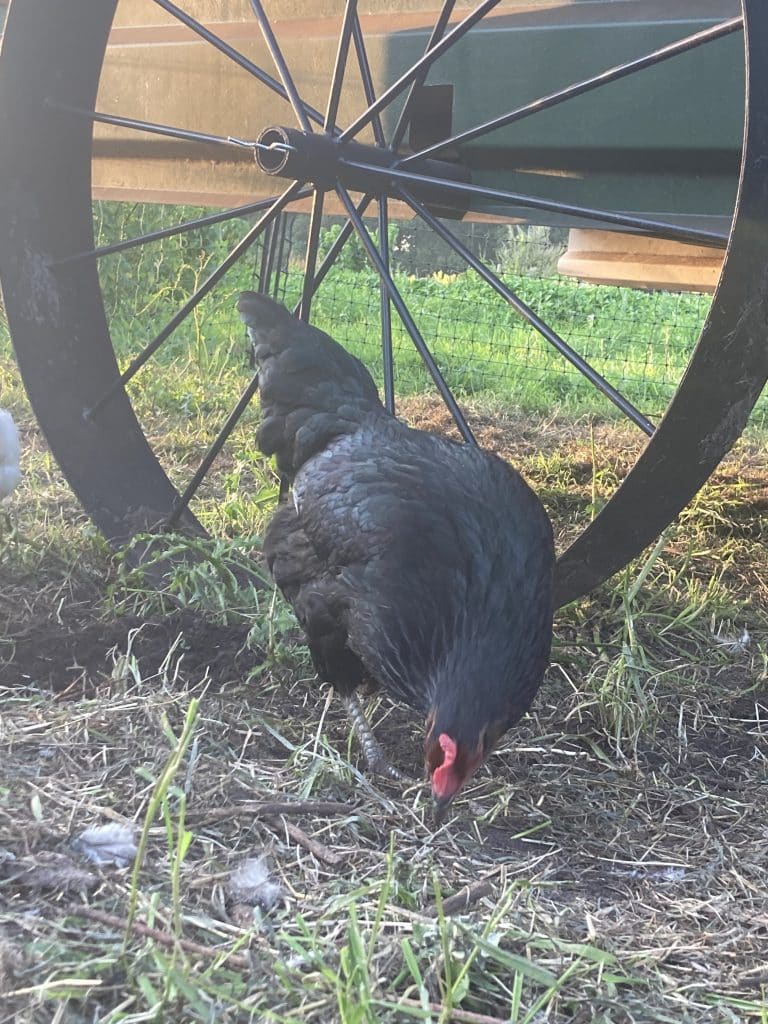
(639, 340)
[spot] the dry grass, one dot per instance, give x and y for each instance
(608, 865)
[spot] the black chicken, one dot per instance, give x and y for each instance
(421, 564)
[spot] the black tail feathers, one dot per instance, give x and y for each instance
(312, 390)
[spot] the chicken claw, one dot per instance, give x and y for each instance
(374, 755)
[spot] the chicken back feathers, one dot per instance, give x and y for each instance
(421, 563)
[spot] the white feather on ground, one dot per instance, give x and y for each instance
(107, 844)
(250, 884)
(10, 453)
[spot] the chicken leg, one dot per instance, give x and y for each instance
(374, 755)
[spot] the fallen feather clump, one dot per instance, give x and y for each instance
(250, 886)
(107, 844)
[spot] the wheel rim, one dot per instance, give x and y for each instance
(60, 329)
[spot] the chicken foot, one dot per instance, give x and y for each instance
(374, 755)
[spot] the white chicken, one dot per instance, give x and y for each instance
(10, 451)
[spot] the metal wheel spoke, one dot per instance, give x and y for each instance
(176, 229)
(182, 502)
(342, 53)
(383, 219)
(423, 64)
(296, 101)
(338, 244)
(275, 260)
(405, 114)
(156, 129)
(268, 256)
(367, 80)
(527, 313)
(579, 88)
(658, 228)
(405, 316)
(229, 51)
(313, 240)
(387, 355)
(272, 253)
(210, 282)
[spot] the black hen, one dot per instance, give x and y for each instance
(422, 564)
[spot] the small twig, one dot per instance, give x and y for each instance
(272, 808)
(313, 846)
(465, 897)
(159, 936)
(455, 1014)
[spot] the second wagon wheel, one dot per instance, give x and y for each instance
(378, 125)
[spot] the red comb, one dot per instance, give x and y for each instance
(449, 749)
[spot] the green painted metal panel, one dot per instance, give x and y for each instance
(666, 140)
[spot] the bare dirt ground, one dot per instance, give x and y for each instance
(608, 865)
(69, 655)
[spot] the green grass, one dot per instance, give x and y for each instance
(607, 866)
(618, 827)
(640, 341)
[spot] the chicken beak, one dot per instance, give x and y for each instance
(440, 809)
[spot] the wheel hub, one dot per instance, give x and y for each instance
(320, 158)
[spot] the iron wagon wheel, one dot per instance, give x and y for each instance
(49, 78)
